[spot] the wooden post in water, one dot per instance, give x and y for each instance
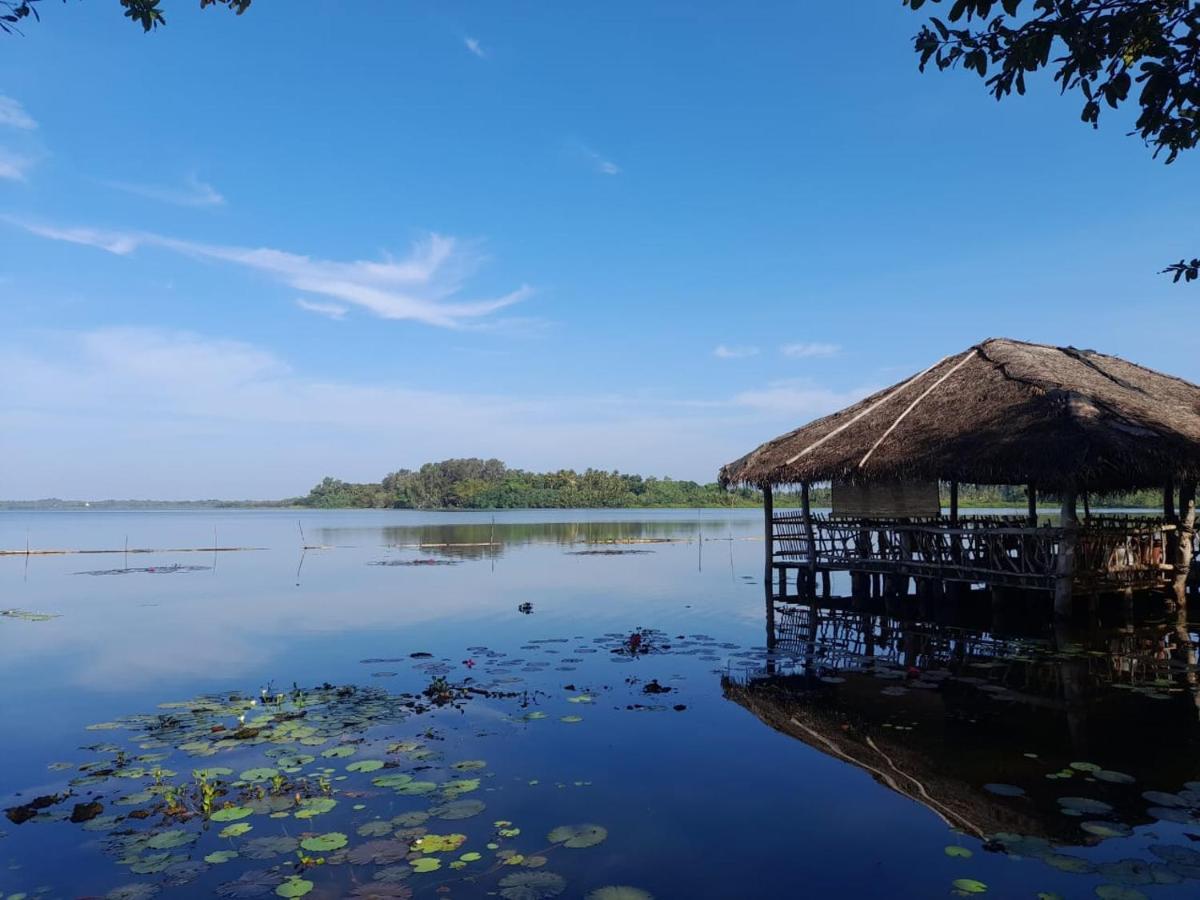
(954, 504)
(809, 538)
(1185, 532)
(1031, 493)
(1171, 538)
(769, 536)
(1064, 569)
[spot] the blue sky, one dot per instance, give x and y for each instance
(243, 253)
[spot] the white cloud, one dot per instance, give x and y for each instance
(799, 398)
(472, 45)
(424, 286)
(13, 115)
(14, 166)
(193, 192)
(806, 350)
(597, 161)
(173, 414)
(329, 310)
(722, 351)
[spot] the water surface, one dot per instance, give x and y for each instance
(911, 751)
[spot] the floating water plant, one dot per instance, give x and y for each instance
(532, 885)
(578, 836)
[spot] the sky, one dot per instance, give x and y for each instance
(243, 253)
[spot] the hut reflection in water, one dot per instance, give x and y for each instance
(990, 729)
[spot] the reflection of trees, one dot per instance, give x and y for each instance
(480, 540)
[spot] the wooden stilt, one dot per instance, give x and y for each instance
(1031, 494)
(810, 537)
(1064, 569)
(954, 504)
(769, 537)
(1186, 531)
(1171, 550)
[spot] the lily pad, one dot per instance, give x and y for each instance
(377, 853)
(1106, 829)
(260, 774)
(253, 883)
(531, 885)
(231, 813)
(365, 765)
(375, 829)
(957, 852)
(425, 864)
(578, 836)
(169, 840)
(295, 886)
(235, 830)
(619, 892)
(970, 886)
(1084, 805)
(458, 809)
(324, 843)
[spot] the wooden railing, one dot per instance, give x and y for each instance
(1110, 551)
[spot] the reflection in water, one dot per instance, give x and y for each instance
(477, 540)
(1002, 737)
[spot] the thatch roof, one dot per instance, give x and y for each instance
(1002, 412)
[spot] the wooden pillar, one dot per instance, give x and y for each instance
(1171, 537)
(954, 503)
(1064, 569)
(1087, 507)
(809, 536)
(769, 537)
(1031, 493)
(1186, 530)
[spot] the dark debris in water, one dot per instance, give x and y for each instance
(149, 570)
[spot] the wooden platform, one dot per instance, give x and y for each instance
(1111, 553)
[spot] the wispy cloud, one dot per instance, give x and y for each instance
(14, 166)
(424, 286)
(595, 159)
(13, 115)
(799, 398)
(193, 192)
(805, 350)
(723, 351)
(329, 310)
(473, 46)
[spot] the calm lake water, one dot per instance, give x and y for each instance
(893, 751)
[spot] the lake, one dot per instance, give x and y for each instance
(561, 703)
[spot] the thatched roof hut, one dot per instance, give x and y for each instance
(1001, 412)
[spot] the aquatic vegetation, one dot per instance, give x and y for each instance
(969, 886)
(173, 569)
(325, 843)
(619, 892)
(577, 836)
(25, 615)
(532, 886)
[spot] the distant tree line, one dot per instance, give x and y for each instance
(490, 484)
